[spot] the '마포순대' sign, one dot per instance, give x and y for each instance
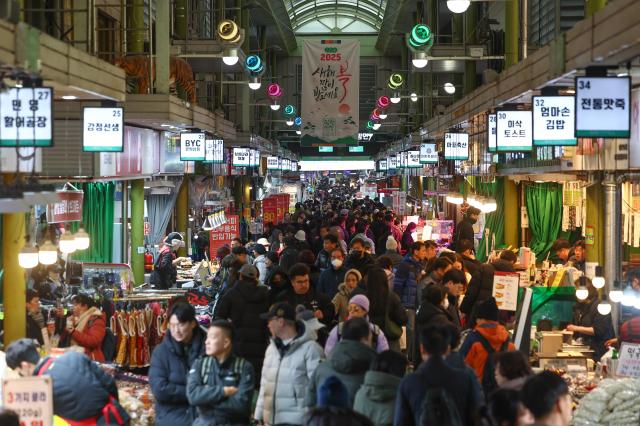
(68, 209)
(330, 92)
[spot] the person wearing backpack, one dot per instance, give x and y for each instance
(436, 394)
(220, 384)
(487, 338)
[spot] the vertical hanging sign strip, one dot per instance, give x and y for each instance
(330, 92)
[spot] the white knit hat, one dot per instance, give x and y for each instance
(392, 244)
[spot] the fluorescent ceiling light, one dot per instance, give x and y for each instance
(316, 166)
(69, 97)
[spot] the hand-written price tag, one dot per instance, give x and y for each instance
(629, 360)
(31, 398)
(505, 290)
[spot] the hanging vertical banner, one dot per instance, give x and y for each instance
(330, 92)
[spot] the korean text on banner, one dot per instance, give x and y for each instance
(330, 92)
(68, 209)
(26, 117)
(505, 290)
(31, 398)
(629, 360)
(223, 234)
(270, 209)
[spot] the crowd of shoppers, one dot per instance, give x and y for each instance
(335, 316)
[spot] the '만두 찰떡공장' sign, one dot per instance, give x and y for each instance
(330, 92)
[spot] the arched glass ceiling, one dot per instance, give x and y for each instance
(337, 16)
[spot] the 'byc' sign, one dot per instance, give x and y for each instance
(192, 147)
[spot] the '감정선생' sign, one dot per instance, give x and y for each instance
(103, 129)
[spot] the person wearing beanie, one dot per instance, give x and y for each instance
(358, 307)
(301, 241)
(464, 228)
(392, 251)
(165, 269)
(346, 290)
(243, 304)
(349, 360)
(331, 278)
(487, 337)
(260, 262)
(333, 393)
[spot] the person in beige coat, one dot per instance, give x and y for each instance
(345, 291)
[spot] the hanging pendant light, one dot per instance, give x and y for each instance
(48, 253)
(604, 307)
(582, 293)
(28, 257)
(67, 243)
(82, 239)
(615, 295)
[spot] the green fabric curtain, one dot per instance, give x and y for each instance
(544, 208)
(97, 219)
(494, 221)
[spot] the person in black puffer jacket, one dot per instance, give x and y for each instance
(481, 285)
(170, 363)
(243, 305)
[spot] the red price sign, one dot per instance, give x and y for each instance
(270, 209)
(223, 234)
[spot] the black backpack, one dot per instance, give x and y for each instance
(488, 374)
(439, 409)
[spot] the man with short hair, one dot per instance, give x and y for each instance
(243, 305)
(349, 360)
(220, 385)
(289, 254)
(301, 293)
(290, 360)
(464, 228)
(81, 390)
(435, 380)
(432, 250)
(330, 243)
(561, 248)
(240, 254)
(466, 249)
(331, 278)
(36, 321)
(546, 395)
(358, 258)
(260, 262)
(454, 282)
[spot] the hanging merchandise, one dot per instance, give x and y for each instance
(573, 199)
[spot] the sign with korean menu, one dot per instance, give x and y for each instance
(31, 398)
(103, 129)
(603, 108)
(208, 150)
(392, 163)
(356, 148)
(629, 360)
(554, 121)
(256, 158)
(325, 149)
(413, 159)
(218, 151)
(456, 146)
(382, 165)
(223, 234)
(241, 157)
(514, 131)
(505, 290)
(68, 209)
(428, 153)
(272, 163)
(26, 117)
(192, 146)
(492, 119)
(330, 92)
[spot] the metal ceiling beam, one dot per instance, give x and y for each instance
(389, 22)
(278, 12)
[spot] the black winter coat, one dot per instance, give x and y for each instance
(164, 273)
(361, 264)
(243, 305)
(288, 258)
(323, 260)
(330, 279)
(430, 314)
(463, 231)
(80, 388)
(397, 313)
(481, 287)
(312, 300)
(168, 378)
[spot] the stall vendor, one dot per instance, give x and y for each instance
(594, 328)
(561, 248)
(165, 272)
(578, 255)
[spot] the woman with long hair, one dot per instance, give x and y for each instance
(385, 309)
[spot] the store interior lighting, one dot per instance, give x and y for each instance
(28, 257)
(582, 293)
(230, 56)
(615, 295)
(395, 98)
(598, 282)
(289, 121)
(383, 115)
(82, 239)
(458, 6)
(48, 253)
(274, 106)
(376, 126)
(455, 198)
(414, 97)
(604, 307)
(449, 88)
(67, 243)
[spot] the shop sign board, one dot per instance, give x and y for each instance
(103, 129)
(382, 165)
(325, 148)
(255, 158)
(399, 202)
(192, 147)
(456, 146)
(356, 148)
(514, 131)
(147, 229)
(241, 157)
(282, 206)
(365, 137)
(330, 92)
(214, 151)
(404, 159)
(223, 234)
(31, 398)
(428, 153)
(629, 360)
(26, 117)
(634, 141)
(270, 209)
(554, 121)
(505, 290)
(392, 163)
(603, 107)
(399, 160)
(589, 235)
(492, 134)
(272, 163)
(413, 159)
(68, 209)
